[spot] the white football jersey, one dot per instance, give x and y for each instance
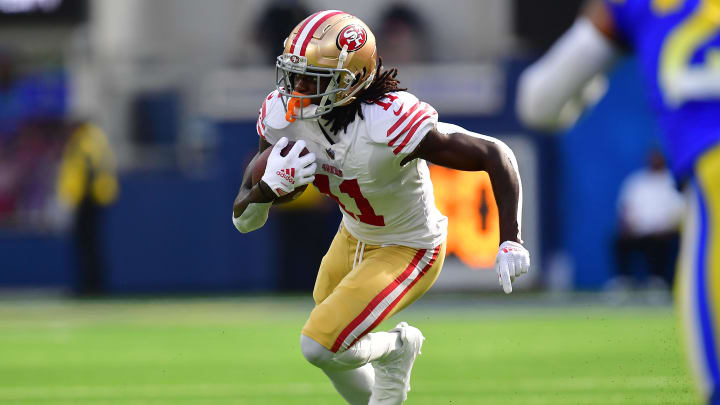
(382, 202)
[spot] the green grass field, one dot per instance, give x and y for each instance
(245, 351)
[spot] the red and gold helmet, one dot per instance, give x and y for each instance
(328, 44)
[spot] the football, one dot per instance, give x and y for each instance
(259, 169)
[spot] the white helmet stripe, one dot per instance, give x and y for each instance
(300, 30)
(308, 29)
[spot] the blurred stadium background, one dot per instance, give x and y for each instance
(125, 127)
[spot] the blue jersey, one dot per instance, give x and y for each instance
(678, 48)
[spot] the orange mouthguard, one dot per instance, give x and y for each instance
(293, 104)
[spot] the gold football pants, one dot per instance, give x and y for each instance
(358, 286)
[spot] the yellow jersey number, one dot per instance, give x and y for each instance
(680, 81)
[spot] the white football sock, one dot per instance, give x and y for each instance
(350, 371)
(354, 385)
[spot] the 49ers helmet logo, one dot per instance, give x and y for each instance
(354, 36)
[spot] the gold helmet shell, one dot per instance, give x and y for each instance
(328, 44)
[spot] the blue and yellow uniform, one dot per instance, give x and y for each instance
(678, 45)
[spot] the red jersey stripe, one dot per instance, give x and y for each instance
(402, 118)
(410, 135)
(425, 111)
(262, 115)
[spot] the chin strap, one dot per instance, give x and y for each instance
(293, 104)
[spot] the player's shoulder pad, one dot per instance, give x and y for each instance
(271, 114)
(399, 120)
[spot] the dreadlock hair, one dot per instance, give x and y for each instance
(384, 82)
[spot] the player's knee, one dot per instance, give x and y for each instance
(314, 352)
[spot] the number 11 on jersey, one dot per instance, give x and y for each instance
(351, 188)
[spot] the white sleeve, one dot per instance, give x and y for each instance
(271, 118)
(254, 217)
(547, 89)
(401, 121)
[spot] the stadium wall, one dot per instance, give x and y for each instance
(171, 232)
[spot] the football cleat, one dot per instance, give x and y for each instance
(392, 374)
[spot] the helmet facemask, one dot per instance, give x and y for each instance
(341, 81)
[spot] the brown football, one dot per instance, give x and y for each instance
(259, 169)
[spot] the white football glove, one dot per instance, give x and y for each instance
(512, 260)
(284, 173)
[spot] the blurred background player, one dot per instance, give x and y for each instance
(368, 143)
(87, 183)
(404, 34)
(269, 32)
(650, 209)
(676, 43)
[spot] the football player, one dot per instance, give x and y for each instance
(676, 42)
(369, 141)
